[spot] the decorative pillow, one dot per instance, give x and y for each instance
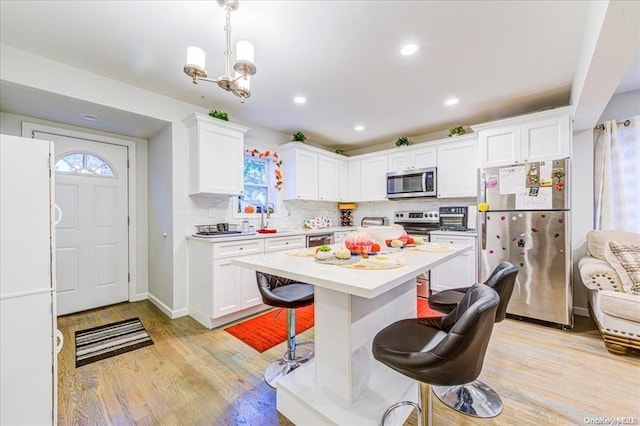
(597, 241)
(625, 259)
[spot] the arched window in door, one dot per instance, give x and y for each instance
(83, 163)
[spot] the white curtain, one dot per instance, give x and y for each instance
(617, 176)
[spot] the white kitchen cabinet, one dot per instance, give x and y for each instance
(343, 186)
(373, 175)
(219, 292)
(412, 158)
(28, 356)
(284, 243)
(234, 288)
(534, 137)
(339, 237)
(328, 178)
(300, 169)
(216, 155)
(354, 184)
(461, 271)
(458, 167)
(311, 174)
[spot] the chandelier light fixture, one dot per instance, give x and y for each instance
(244, 68)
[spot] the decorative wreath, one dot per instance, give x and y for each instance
(276, 160)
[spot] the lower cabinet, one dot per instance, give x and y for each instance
(461, 271)
(234, 288)
(220, 292)
(284, 243)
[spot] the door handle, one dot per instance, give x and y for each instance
(59, 210)
(60, 337)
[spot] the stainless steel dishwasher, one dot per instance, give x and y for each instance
(319, 239)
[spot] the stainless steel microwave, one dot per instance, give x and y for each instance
(412, 183)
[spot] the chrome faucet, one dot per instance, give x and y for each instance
(269, 207)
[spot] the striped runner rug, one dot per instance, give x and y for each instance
(105, 341)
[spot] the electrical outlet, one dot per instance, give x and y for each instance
(212, 212)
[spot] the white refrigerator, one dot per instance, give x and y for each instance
(28, 341)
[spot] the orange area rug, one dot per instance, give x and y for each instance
(266, 331)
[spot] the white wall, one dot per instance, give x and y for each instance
(620, 107)
(581, 210)
(160, 220)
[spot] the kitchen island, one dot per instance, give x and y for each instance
(344, 384)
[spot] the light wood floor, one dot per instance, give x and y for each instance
(192, 375)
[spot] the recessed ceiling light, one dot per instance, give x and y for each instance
(300, 100)
(409, 49)
(90, 117)
(359, 128)
(451, 101)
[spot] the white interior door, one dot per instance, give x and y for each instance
(92, 259)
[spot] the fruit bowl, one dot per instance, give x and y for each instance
(358, 242)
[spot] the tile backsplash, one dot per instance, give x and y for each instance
(293, 213)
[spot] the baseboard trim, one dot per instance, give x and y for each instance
(171, 313)
(139, 297)
(579, 310)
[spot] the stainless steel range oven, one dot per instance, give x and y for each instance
(419, 223)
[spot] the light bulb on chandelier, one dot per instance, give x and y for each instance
(244, 67)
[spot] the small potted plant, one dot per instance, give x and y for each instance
(457, 131)
(219, 115)
(402, 141)
(299, 137)
(340, 151)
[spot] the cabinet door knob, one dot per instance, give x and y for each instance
(241, 248)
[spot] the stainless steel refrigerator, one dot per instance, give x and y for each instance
(524, 218)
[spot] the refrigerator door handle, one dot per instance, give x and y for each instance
(482, 196)
(483, 231)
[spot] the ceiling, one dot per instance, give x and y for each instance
(499, 58)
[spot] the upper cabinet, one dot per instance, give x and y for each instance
(311, 174)
(354, 183)
(329, 178)
(216, 153)
(300, 173)
(458, 167)
(534, 137)
(373, 177)
(413, 158)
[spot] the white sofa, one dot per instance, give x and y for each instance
(613, 288)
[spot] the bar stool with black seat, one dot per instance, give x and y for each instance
(502, 280)
(445, 351)
(285, 293)
(445, 301)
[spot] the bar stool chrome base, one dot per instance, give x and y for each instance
(474, 399)
(424, 410)
(304, 353)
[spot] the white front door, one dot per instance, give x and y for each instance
(92, 259)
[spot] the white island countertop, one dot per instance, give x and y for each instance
(343, 384)
(358, 282)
